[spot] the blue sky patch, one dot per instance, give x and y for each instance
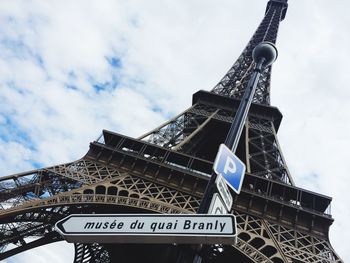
(9, 131)
(156, 108)
(18, 49)
(100, 86)
(114, 62)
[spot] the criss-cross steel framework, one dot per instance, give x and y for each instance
(166, 171)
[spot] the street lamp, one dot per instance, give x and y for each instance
(264, 54)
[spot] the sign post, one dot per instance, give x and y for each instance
(226, 163)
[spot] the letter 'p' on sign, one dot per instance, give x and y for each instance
(230, 167)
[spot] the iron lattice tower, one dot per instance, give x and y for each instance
(166, 171)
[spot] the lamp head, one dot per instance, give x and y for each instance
(265, 50)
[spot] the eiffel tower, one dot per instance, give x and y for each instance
(167, 170)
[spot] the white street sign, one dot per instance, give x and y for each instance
(224, 192)
(148, 228)
(216, 206)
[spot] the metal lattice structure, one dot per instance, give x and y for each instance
(166, 171)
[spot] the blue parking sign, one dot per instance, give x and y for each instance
(230, 167)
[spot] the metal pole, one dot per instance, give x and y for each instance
(264, 55)
(235, 131)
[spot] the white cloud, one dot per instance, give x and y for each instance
(169, 50)
(59, 252)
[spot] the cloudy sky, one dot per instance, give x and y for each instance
(69, 69)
